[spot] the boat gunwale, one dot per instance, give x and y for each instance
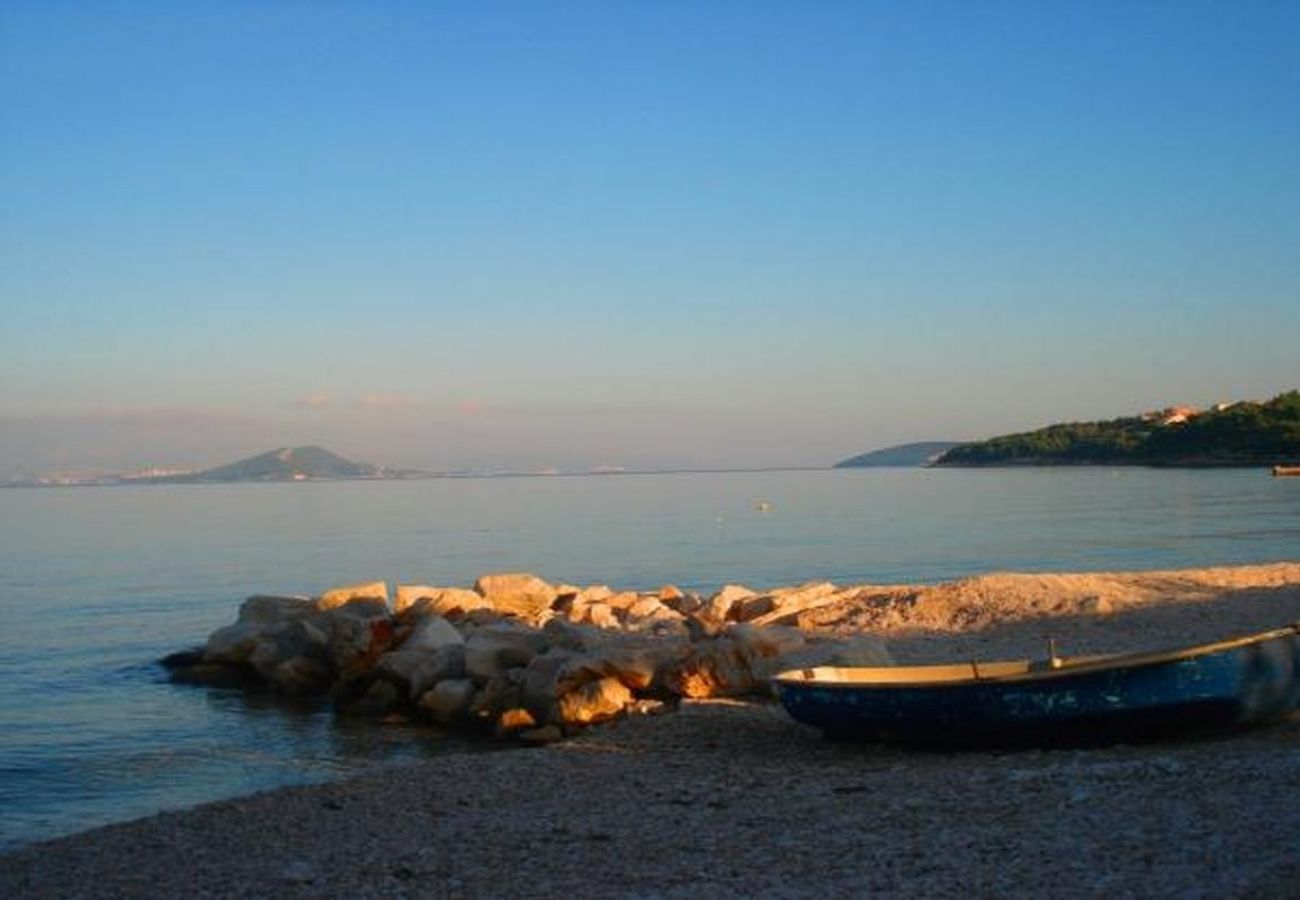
(1034, 671)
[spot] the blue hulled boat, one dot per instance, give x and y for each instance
(1234, 682)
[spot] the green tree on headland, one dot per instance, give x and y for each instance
(1239, 434)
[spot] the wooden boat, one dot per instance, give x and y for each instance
(1234, 682)
(1280, 471)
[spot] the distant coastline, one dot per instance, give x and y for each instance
(918, 453)
(385, 475)
(1243, 434)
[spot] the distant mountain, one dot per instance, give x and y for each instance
(1228, 434)
(917, 454)
(283, 464)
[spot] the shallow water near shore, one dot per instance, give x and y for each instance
(97, 583)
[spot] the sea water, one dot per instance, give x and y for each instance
(97, 583)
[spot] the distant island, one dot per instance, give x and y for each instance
(307, 463)
(920, 453)
(314, 463)
(281, 464)
(1227, 434)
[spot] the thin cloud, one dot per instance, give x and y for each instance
(468, 409)
(387, 401)
(313, 401)
(138, 418)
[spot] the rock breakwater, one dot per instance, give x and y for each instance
(536, 661)
(517, 655)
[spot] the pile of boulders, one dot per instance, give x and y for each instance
(517, 654)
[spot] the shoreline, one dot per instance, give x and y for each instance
(732, 798)
(723, 798)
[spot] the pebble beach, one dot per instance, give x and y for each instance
(730, 797)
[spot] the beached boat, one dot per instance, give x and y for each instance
(1234, 682)
(1280, 471)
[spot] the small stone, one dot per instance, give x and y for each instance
(1096, 606)
(298, 872)
(547, 734)
(513, 720)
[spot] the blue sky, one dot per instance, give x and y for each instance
(642, 234)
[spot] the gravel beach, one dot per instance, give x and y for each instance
(728, 798)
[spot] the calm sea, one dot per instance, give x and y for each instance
(98, 583)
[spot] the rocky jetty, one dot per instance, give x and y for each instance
(517, 655)
(535, 661)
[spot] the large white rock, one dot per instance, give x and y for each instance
(784, 605)
(719, 606)
(499, 694)
(356, 642)
(601, 615)
(264, 609)
(594, 592)
(744, 659)
(400, 665)
(406, 595)
(452, 602)
(440, 665)
(517, 593)
(646, 606)
(420, 670)
(622, 601)
(491, 650)
(686, 604)
(359, 608)
(300, 675)
(341, 596)
(448, 701)
(233, 643)
(571, 635)
(594, 701)
(538, 691)
(430, 633)
(635, 668)
(714, 668)
(738, 662)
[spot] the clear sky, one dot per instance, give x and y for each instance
(643, 234)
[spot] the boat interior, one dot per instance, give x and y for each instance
(953, 673)
(1049, 666)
